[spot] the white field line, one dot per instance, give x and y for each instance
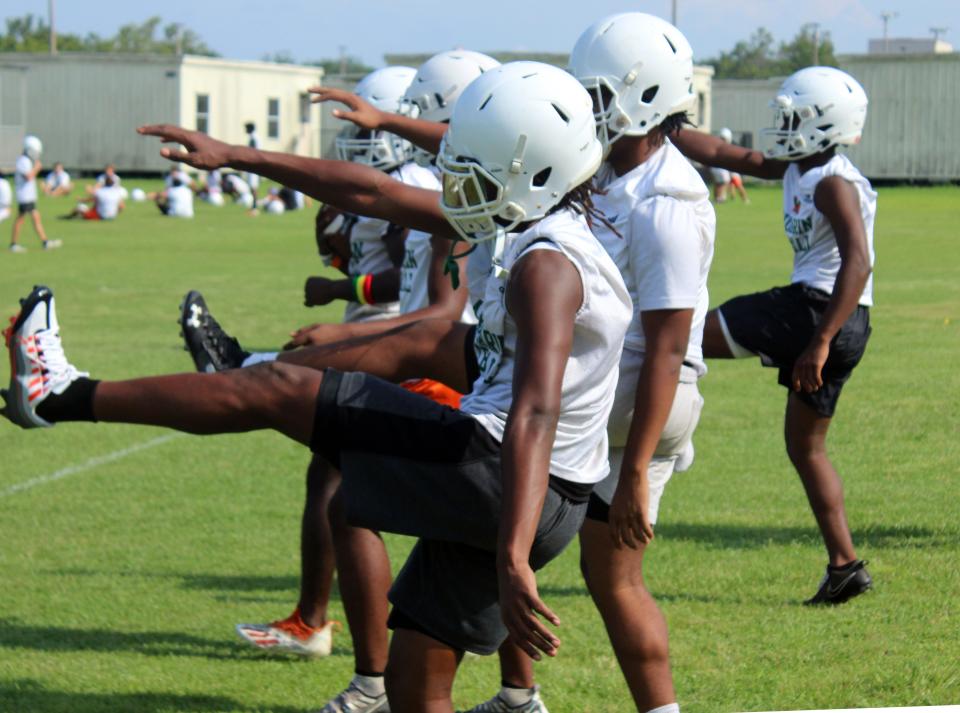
(86, 465)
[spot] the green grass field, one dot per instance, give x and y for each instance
(121, 581)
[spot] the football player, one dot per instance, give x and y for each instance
(814, 331)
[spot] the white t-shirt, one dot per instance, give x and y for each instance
(417, 250)
(180, 202)
(667, 229)
(58, 180)
(26, 188)
(237, 184)
(816, 257)
(579, 452)
(107, 200)
(213, 181)
(6, 197)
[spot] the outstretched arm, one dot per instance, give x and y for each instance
(425, 134)
(837, 199)
(349, 186)
(543, 296)
(713, 151)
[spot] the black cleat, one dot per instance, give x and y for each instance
(212, 349)
(842, 583)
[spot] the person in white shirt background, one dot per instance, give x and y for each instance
(25, 182)
(58, 182)
(252, 179)
(177, 200)
(107, 203)
(6, 198)
(212, 189)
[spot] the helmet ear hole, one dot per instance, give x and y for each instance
(540, 180)
(649, 94)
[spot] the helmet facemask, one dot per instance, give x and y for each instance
(377, 149)
(472, 200)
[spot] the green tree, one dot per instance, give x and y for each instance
(758, 57)
(31, 34)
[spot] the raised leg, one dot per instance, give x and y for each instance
(274, 395)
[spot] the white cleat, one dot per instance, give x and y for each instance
(38, 366)
(498, 705)
(353, 700)
(290, 635)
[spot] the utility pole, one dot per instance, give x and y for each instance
(343, 59)
(886, 17)
(51, 11)
(816, 43)
(937, 31)
(673, 13)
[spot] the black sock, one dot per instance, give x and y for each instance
(74, 404)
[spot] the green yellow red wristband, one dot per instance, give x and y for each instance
(363, 288)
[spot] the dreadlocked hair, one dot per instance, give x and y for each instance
(580, 201)
(673, 123)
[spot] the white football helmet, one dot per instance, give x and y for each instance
(815, 108)
(438, 84)
(521, 137)
(639, 70)
(32, 147)
(384, 89)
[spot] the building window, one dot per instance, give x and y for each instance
(305, 106)
(273, 118)
(203, 113)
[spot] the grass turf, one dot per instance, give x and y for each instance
(121, 583)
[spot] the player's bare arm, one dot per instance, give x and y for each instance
(667, 334)
(714, 151)
(425, 134)
(545, 337)
(837, 199)
(349, 186)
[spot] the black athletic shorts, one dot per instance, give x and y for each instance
(25, 208)
(413, 467)
(778, 325)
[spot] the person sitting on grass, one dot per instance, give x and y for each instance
(107, 203)
(814, 331)
(494, 490)
(177, 200)
(58, 182)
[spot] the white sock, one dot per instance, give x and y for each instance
(259, 358)
(516, 697)
(669, 708)
(370, 685)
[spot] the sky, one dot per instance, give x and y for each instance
(314, 29)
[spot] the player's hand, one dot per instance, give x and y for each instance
(319, 291)
(808, 368)
(358, 111)
(311, 335)
(519, 606)
(629, 523)
(202, 151)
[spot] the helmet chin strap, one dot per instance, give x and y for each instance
(499, 244)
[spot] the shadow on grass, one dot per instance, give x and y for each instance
(725, 536)
(16, 635)
(31, 697)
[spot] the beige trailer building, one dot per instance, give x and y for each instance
(86, 107)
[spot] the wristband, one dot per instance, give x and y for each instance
(363, 288)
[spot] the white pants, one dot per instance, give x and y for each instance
(676, 436)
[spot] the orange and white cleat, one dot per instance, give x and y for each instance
(290, 635)
(38, 366)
